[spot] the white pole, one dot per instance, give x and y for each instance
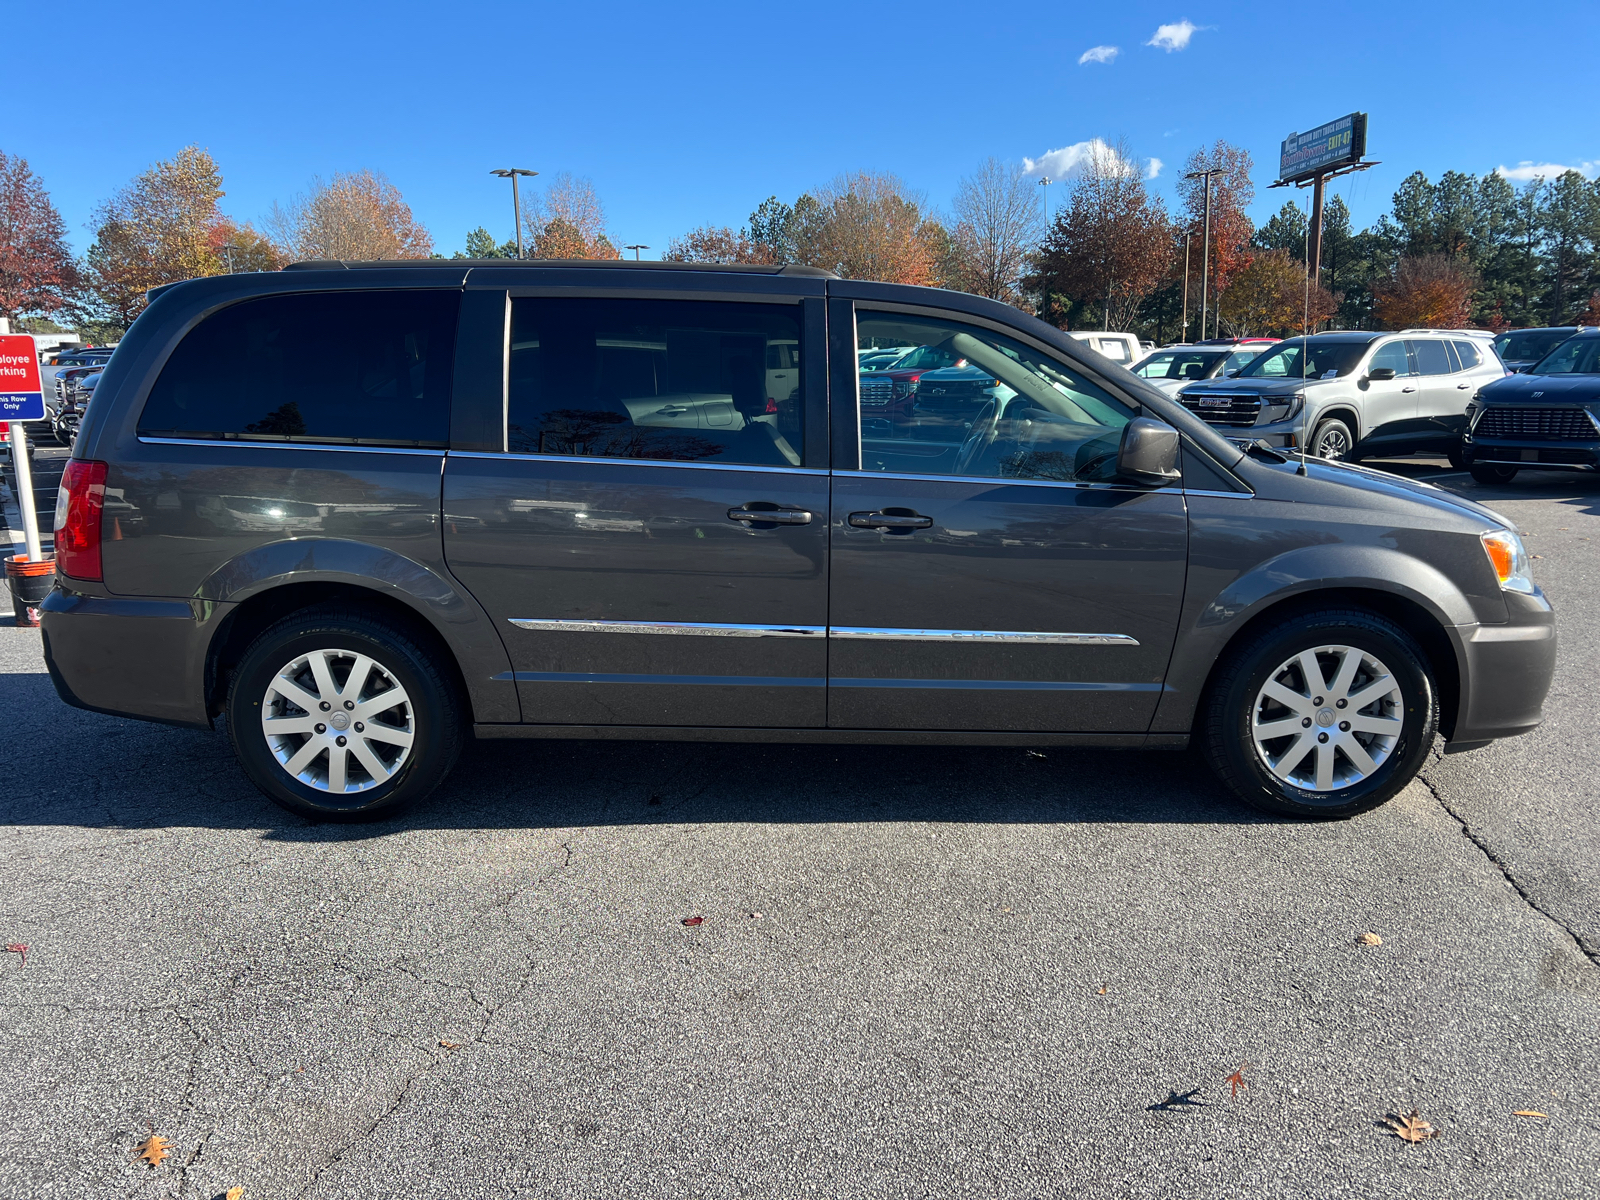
(30, 519)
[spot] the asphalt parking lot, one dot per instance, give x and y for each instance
(918, 973)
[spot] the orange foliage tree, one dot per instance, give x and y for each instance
(1231, 193)
(1426, 291)
(1269, 298)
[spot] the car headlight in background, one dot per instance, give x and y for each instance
(1509, 560)
(1283, 407)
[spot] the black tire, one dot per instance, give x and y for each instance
(1456, 460)
(436, 711)
(1226, 718)
(1329, 432)
(1493, 473)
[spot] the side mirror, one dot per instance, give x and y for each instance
(1149, 452)
(1381, 373)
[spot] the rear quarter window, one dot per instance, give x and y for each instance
(363, 368)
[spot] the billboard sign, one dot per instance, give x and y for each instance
(1325, 148)
(21, 398)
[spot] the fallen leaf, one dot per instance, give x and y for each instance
(233, 1193)
(153, 1149)
(755, 916)
(1236, 1080)
(19, 948)
(692, 921)
(1530, 1112)
(1411, 1129)
(1538, 556)
(1102, 990)
(449, 1045)
(1368, 939)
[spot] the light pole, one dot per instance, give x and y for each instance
(636, 248)
(511, 173)
(1045, 181)
(1205, 255)
(1184, 333)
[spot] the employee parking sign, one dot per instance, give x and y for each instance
(21, 397)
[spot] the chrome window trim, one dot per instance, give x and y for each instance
(672, 628)
(253, 445)
(635, 462)
(1003, 482)
(980, 636)
(1225, 495)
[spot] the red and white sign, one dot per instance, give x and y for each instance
(21, 397)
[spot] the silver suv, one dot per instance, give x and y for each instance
(1354, 394)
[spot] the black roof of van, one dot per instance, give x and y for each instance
(617, 264)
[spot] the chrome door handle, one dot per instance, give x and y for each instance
(1409, 389)
(769, 516)
(884, 520)
(1461, 387)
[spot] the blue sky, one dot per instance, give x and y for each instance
(685, 114)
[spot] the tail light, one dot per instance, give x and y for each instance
(772, 405)
(79, 503)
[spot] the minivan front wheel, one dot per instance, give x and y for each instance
(341, 715)
(1323, 715)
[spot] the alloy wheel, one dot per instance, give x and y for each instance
(1327, 718)
(1332, 443)
(338, 721)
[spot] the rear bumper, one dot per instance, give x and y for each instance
(1506, 671)
(130, 658)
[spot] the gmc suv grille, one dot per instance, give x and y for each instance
(1553, 424)
(1223, 410)
(877, 392)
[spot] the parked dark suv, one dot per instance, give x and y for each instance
(363, 511)
(1546, 418)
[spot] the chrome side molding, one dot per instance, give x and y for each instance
(696, 629)
(673, 628)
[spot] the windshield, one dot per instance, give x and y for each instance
(1178, 364)
(1325, 360)
(926, 358)
(1575, 356)
(1524, 345)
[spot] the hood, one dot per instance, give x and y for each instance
(1369, 485)
(1542, 389)
(1246, 386)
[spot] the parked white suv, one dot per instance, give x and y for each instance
(1353, 394)
(1122, 348)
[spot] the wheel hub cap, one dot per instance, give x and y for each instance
(338, 721)
(1327, 718)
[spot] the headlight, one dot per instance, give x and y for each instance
(1283, 407)
(1509, 560)
(905, 387)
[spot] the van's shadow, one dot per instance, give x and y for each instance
(83, 769)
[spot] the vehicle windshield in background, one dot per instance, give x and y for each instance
(926, 358)
(1524, 345)
(1575, 356)
(1326, 359)
(1178, 364)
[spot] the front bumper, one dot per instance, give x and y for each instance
(1541, 453)
(1505, 671)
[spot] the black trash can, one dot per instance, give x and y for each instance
(30, 581)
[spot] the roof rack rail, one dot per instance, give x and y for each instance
(1443, 329)
(611, 264)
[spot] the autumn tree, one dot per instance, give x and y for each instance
(998, 226)
(718, 244)
(481, 244)
(1110, 244)
(241, 248)
(357, 215)
(1270, 298)
(1426, 291)
(871, 226)
(158, 229)
(568, 221)
(1231, 193)
(37, 271)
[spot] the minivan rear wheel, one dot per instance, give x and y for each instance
(342, 715)
(1326, 714)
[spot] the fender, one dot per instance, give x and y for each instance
(1215, 620)
(453, 614)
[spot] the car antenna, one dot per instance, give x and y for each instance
(1305, 349)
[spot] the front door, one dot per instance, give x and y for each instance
(1388, 406)
(652, 544)
(988, 570)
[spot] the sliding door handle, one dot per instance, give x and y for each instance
(764, 512)
(901, 519)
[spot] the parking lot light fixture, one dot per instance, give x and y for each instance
(638, 246)
(512, 173)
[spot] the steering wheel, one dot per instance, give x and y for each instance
(984, 428)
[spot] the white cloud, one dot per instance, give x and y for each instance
(1064, 163)
(1528, 169)
(1100, 54)
(1154, 168)
(1175, 36)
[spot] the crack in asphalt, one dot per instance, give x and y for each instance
(1589, 952)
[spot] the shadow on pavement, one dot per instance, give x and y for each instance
(94, 771)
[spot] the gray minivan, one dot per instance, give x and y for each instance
(363, 511)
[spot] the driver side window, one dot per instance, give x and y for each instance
(971, 402)
(1392, 355)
